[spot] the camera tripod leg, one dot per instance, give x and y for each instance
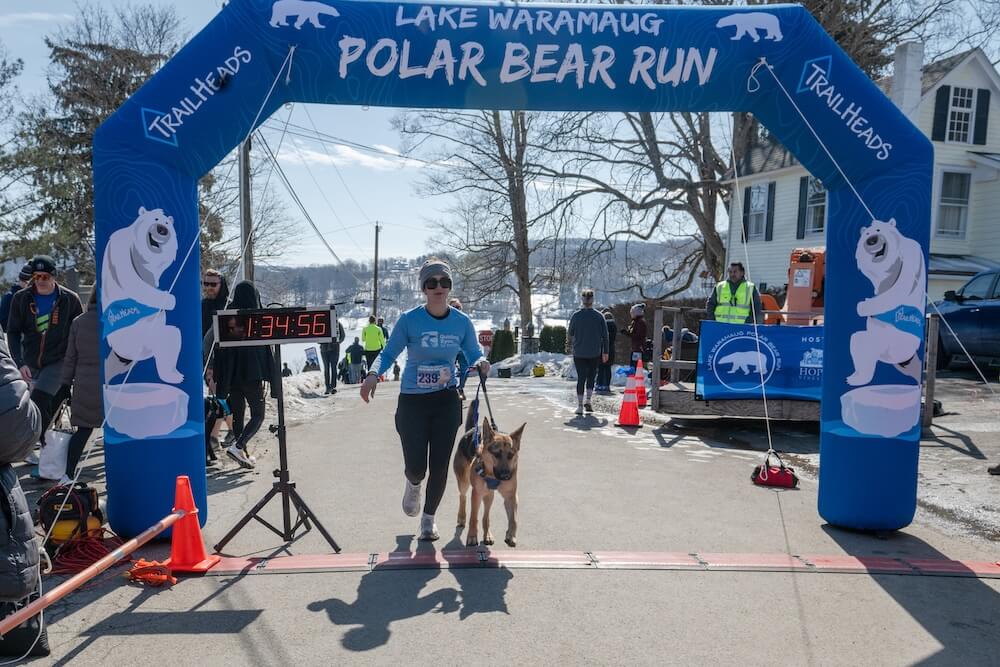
(307, 514)
(246, 518)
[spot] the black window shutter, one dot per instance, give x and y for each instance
(982, 116)
(941, 102)
(800, 230)
(746, 214)
(769, 229)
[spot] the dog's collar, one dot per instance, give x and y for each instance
(492, 483)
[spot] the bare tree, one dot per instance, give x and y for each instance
(501, 214)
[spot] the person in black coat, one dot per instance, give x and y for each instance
(239, 376)
(603, 383)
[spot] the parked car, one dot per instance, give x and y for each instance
(973, 312)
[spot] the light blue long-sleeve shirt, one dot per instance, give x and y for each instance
(432, 344)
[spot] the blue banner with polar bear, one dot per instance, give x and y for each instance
(772, 60)
(780, 361)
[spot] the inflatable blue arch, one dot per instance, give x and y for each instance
(257, 55)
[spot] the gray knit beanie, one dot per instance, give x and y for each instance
(433, 267)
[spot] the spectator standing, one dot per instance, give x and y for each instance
(38, 333)
(636, 331)
(381, 325)
(588, 334)
(240, 373)
(215, 293)
(355, 361)
(735, 300)
(20, 427)
(330, 352)
(286, 372)
(373, 339)
(81, 372)
(22, 281)
(603, 383)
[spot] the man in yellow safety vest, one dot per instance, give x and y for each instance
(735, 300)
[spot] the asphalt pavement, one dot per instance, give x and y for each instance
(585, 486)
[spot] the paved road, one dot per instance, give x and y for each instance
(584, 486)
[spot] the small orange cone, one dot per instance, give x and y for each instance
(187, 549)
(640, 386)
(628, 416)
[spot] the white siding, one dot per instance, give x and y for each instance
(768, 260)
(983, 228)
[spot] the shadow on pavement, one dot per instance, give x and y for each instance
(586, 423)
(483, 591)
(953, 440)
(382, 600)
(962, 614)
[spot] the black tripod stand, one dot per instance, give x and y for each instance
(289, 496)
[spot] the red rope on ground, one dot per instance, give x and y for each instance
(78, 553)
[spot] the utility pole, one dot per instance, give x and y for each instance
(246, 223)
(375, 286)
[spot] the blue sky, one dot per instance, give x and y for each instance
(381, 185)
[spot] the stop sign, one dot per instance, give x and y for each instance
(486, 338)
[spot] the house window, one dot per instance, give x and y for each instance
(816, 207)
(960, 114)
(953, 209)
(757, 221)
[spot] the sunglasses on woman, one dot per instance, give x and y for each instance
(432, 283)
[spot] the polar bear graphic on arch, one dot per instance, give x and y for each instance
(894, 327)
(135, 324)
(748, 23)
(305, 10)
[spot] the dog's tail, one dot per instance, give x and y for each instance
(471, 415)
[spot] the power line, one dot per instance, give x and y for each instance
(295, 197)
(336, 169)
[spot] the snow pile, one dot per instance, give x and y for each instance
(557, 365)
(520, 365)
(304, 397)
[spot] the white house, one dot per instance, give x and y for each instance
(951, 101)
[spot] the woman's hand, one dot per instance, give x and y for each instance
(484, 368)
(368, 387)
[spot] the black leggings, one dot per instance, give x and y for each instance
(427, 424)
(46, 409)
(586, 371)
(370, 357)
(330, 367)
(77, 442)
(253, 394)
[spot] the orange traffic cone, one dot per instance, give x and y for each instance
(187, 549)
(640, 386)
(628, 416)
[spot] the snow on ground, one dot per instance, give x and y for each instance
(558, 365)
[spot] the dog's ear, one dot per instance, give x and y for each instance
(516, 436)
(487, 430)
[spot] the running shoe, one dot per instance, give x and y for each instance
(240, 456)
(333, 391)
(428, 529)
(229, 439)
(995, 470)
(411, 499)
(579, 410)
(588, 407)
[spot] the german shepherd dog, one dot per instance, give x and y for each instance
(495, 465)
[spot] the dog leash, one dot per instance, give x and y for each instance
(486, 396)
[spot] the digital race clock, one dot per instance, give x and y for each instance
(274, 326)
